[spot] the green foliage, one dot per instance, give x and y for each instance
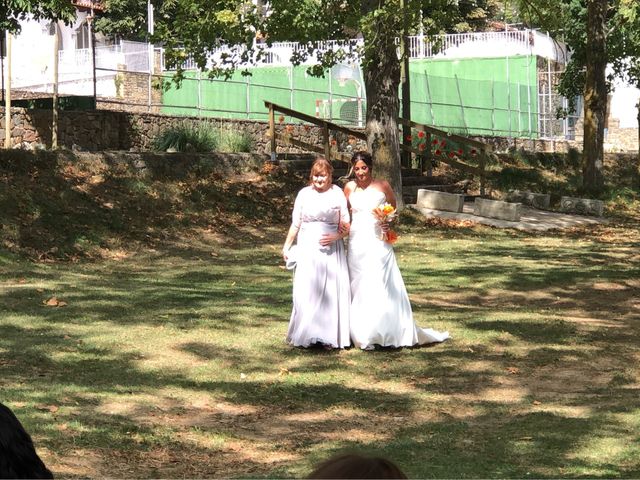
(233, 141)
(202, 137)
(125, 18)
(187, 138)
(12, 12)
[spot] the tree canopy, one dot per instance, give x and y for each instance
(12, 12)
(194, 27)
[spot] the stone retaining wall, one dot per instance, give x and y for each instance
(94, 130)
(119, 130)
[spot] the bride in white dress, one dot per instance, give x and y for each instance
(321, 294)
(380, 309)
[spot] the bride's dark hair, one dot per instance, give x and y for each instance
(364, 156)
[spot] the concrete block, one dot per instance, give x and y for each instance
(449, 202)
(583, 206)
(497, 209)
(536, 200)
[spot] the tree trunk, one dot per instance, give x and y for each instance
(382, 81)
(595, 96)
(638, 110)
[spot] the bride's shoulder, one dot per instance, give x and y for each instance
(350, 186)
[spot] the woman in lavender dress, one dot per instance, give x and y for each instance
(321, 291)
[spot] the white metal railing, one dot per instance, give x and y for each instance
(490, 44)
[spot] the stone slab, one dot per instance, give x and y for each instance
(582, 206)
(449, 202)
(537, 200)
(497, 209)
(531, 219)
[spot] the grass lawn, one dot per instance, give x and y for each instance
(172, 362)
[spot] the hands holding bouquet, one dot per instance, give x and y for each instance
(385, 214)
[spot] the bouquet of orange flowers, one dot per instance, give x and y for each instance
(385, 214)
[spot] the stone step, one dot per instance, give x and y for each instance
(448, 202)
(497, 209)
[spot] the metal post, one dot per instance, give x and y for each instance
(493, 107)
(529, 91)
(272, 132)
(327, 145)
(405, 86)
(150, 52)
(550, 133)
(464, 122)
(54, 120)
(7, 104)
(519, 110)
(426, 81)
(330, 97)
(199, 78)
(291, 88)
(248, 96)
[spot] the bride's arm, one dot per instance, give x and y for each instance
(388, 193)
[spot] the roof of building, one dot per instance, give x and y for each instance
(89, 4)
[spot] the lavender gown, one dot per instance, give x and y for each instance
(380, 309)
(321, 294)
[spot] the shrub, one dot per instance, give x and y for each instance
(187, 138)
(233, 141)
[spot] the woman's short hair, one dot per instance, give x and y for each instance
(357, 466)
(321, 166)
(364, 156)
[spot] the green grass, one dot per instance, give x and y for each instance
(168, 359)
(173, 363)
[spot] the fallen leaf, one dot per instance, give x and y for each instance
(284, 371)
(54, 302)
(536, 402)
(22, 280)
(513, 370)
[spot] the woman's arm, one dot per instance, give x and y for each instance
(296, 221)
(291, 236)
(388, 193)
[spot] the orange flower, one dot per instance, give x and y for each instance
(387, 209)
(421, 146)
(307, 128)
(281, 119)
(334, 142)
(391, 237)
(289, 128)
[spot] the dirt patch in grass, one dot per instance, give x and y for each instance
(65, 207)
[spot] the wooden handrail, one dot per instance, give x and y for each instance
(449, 161)
(327, 126)
(443, 133)
(316, 121)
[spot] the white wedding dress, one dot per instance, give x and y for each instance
(380, 309)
